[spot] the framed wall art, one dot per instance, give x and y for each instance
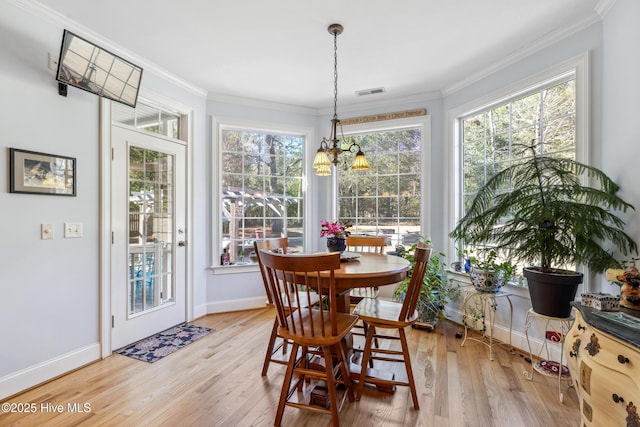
(40, 173)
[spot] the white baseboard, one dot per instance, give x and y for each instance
(200, 311)
(236, 305)
(518, 338)
(24, 379)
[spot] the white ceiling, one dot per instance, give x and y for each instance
(281, 51)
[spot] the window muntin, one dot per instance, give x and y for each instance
(491, 138)
(262, 193)
(386, 199)
(148, 117)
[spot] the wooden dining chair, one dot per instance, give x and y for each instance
(379, 314)
(321, 327)
(372, 244)
(276, 342)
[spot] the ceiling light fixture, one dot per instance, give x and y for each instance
(331, 148)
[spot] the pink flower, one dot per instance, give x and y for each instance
(334, 229)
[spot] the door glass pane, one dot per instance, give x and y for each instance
(151, 176)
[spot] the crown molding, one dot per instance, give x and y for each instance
(604, 6)
(383, 104)
(525, 51)
(260, 103)
(37, 9)
(344, 108)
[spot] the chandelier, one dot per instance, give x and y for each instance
(331, 148)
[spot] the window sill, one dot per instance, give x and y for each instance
(234, 269)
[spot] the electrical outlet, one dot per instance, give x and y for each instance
(72, 229)
(53, 62)
(46, 231)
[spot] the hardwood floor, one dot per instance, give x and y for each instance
(216, 381)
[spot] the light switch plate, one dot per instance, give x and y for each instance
(46, 231)
(72, 229)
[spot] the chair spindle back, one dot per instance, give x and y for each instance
(277, 244)
(295, 277)
(421, 258)
(367, 243)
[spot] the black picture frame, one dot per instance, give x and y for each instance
(32, 172)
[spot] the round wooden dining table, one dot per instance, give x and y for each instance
(368, 270)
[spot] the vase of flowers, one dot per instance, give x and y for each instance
(336, 234)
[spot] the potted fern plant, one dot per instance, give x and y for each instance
(437, 288)
(550, 221)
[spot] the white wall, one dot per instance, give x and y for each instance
(50, 307)
(49, 287)
(619, 141)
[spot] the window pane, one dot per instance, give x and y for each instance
(559, 134)
(499, 119)
(409, 162)
(387, 163)
(559, 100)
(261, 190)
(386, 199)
(526, 111)
(147, 117)
(493, 138)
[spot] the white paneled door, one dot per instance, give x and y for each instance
(148, 242)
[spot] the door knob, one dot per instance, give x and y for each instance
(182, 243)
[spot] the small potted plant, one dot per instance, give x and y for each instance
(489, 275)
(336, 234)
(436, 291)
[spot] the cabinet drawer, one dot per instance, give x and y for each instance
(608, 396)
(609, 352)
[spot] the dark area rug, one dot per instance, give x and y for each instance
(155, 347)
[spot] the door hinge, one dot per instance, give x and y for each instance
(112, 237)
(112, 155)
(113, 321)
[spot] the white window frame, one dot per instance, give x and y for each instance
(578, 67)
(218, 125)
(422, 122)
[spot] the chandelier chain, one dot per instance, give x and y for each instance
(335, 73)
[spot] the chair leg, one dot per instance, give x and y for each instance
(346, 373)
(331, 385)
(305, 364)
(286, 385)
(366, 353)
(375, 340)
(407, 364)
(272, 342)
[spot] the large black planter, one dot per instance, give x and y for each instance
(552, 293)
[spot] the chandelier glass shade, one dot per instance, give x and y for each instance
(331, 148)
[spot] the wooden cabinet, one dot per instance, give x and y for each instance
(605, 369)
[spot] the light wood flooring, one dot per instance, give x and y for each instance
(216, 381)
